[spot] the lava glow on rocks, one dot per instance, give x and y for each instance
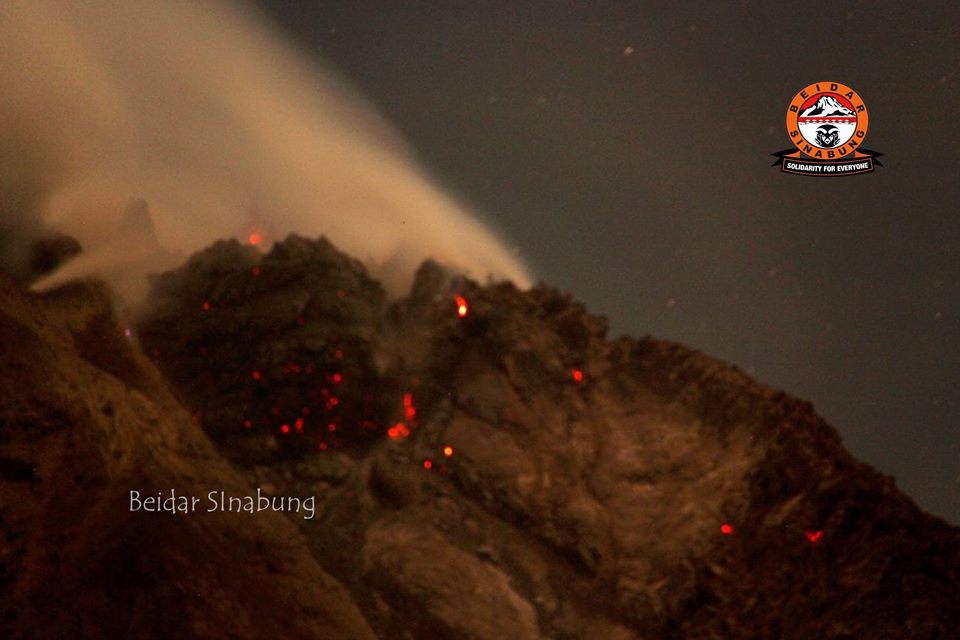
(255, 238)
(726, 529)
(398, 431)
(814, 536)
(409, 411)
(462, 307)
(577, 375)
(448, 451)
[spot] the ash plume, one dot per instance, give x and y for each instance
(203, 111)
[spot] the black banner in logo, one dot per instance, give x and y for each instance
(790, 161)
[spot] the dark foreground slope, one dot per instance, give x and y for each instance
(487, 465)
(491, 466)
(85, 418)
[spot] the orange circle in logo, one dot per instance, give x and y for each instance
(827, 119)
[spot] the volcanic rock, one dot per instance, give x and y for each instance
(487, 464)
(86, 419)
(508, 471)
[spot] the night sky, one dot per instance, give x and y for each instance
(624, 150)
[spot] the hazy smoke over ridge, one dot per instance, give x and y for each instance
(202, 111)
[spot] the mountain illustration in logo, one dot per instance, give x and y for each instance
(827, 122)
(827, 105)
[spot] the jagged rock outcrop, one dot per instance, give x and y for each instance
(256, 344)
(497, 467)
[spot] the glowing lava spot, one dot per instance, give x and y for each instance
(448, 451)
(298, 425)
(256, 375)
(285, 429)
(726, 529)
(337, 378)
(398, 431)
(255, 238)
(814, 536)
(462, 306)
(428, 464)
(409, 411)
(577, 375)
(206, 306)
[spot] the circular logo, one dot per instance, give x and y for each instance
(827, 117)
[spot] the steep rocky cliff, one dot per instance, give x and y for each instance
(487, 464)
(85, 419)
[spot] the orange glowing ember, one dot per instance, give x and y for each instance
(577, 375)
(448, 451)
(726, 529)
(462, 306)
(255, 238)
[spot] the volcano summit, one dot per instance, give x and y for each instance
(486, 463)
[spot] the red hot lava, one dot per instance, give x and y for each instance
(462, 307)
(398, 431)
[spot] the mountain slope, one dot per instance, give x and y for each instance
(85, 419)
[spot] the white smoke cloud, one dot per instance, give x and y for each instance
(200, 109)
